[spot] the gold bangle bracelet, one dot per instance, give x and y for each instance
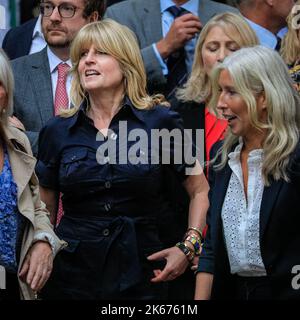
(196, 230)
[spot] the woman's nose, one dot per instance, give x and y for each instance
(89, 57)
(221, 105)
(221, 54)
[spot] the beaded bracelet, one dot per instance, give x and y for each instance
(186, 250)
(195, 241)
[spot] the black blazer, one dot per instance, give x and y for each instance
(17, 41)
(279, 232)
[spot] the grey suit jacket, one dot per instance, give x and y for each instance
(144, 19)
(33, 97)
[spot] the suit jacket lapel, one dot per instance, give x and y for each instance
(41, 81)
(27, 37)
(151, 19)
(269, 198)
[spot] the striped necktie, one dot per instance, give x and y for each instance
(176, 61)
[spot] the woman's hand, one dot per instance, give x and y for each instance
(176, 264)
(37, 265)
(194, 264)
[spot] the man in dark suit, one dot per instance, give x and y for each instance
(18, 41)
(36, 75)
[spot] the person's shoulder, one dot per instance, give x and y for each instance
(125, 5)
(157, 110)
(29, 58)
(128, 9)
(60, 121)
(218, 7)
(56, 126)
(164, 116)
(15, 134)
(15, 33)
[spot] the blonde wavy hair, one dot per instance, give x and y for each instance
(290, 48)
(198, 86)
(120, 42)
(254, 71)
(7, 81)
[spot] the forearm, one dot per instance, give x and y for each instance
(204, 283)
(197, 210)
(50, 198)
(197, 188)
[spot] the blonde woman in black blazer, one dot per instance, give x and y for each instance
(251, 250)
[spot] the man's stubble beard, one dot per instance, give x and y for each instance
(62, 43)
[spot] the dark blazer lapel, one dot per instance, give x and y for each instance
(269, 198)
(151, 19)
(26, 39)
(41, 82)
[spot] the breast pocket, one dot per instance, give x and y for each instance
(74, 165)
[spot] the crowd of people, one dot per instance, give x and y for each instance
(149, 151)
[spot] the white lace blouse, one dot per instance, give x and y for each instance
(241, 217)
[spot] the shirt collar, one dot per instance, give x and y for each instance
(255, 154)
(265, 37)
(281, 33)
(54, 60)
(37, 31)
(139, 114)
(191, 6)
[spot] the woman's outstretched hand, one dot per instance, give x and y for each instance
(176, 264)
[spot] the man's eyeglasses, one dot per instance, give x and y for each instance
(65, 10)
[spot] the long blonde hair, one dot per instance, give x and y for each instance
(261, 70)
(120, 42)
(290, 48)
(7, 81)
(198, 86)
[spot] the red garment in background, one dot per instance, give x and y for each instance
(214, 131)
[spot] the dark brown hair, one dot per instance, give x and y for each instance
(94, 5)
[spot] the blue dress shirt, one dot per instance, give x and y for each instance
(167, 20)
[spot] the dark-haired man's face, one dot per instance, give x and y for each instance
(60, 31)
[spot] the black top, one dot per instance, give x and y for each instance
(68, 153)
